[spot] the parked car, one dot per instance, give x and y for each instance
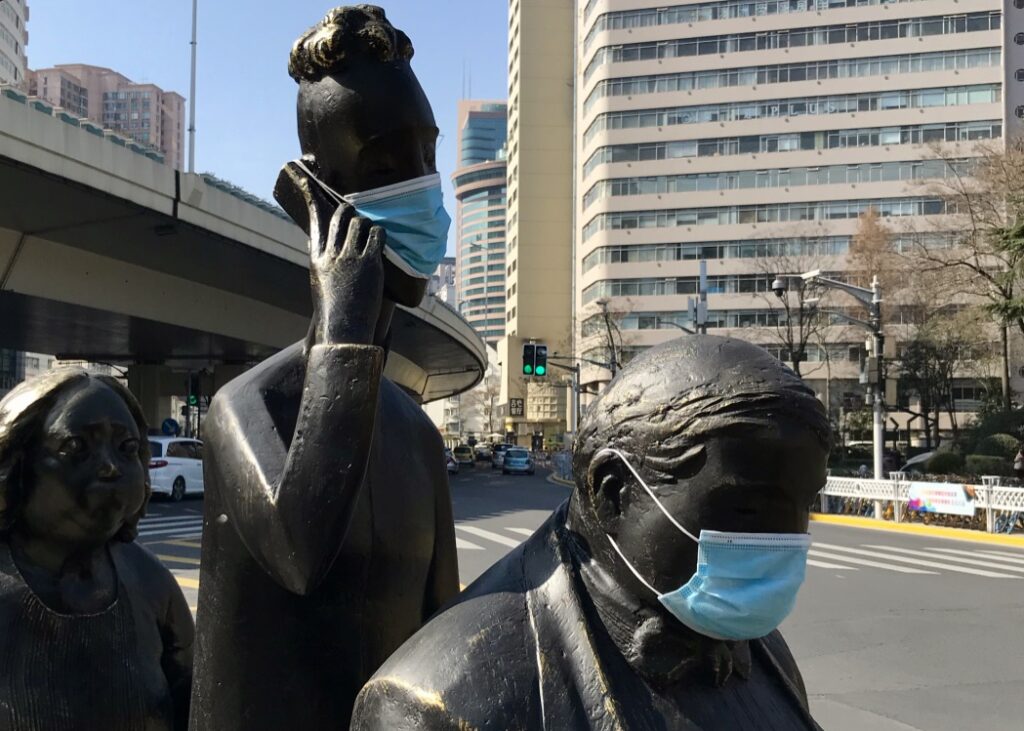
(517, 460)
(175, 466)
(453, 464)
(498, 455)
(464, 454)
(483, 452)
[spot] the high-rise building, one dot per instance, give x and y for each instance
(480, 183)
(13, 39)
(538, 258)
(736, 132)
(143, 112)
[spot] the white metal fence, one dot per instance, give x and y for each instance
(998, 508)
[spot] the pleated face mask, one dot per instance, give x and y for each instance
(413, 215)
(745, 584)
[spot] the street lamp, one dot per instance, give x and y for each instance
(676, 324)
(872, 298)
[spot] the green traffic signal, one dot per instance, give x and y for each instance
(527, 369)
(193, 400)
(541, 370)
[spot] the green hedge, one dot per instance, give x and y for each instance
(944, 463)
(983, 464)
(998, 445)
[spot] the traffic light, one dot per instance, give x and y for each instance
(195, 389)
(540, 361)
(535, 359)
(529, 358)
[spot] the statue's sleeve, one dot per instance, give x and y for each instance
(443, 583)
(177, 632)
(292, 506)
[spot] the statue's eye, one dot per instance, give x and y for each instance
(72, 447)
(130, 446)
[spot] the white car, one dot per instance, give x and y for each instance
(175, 466)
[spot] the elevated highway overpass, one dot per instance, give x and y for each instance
(107, 254)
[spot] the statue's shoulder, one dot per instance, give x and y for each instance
(402, 409)
(477, 647)
(281, 372)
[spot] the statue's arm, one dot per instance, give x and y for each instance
(443, 582)
(292, 506)
(178, 634)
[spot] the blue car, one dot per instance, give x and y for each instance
(517, 460)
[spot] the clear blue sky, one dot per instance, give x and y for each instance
(245, 115)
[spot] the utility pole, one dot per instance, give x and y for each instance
(192, 95)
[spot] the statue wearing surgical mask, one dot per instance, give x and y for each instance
(651, 599)
(328, 537)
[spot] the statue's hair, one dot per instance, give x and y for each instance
(22, 413)
(681, 394)
(344, 35)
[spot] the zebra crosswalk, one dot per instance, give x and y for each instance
(926, 561)
(167, 526)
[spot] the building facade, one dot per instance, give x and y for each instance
(142, 112)
(539, 221)
(13, 40)
(442, 282)
(480, 183)
(752, 136)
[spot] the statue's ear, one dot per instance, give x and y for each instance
(607, 481)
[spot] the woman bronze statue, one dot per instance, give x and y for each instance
(95, 634)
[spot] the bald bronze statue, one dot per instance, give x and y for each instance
(95, 634)
(328, 537)
(615, 614)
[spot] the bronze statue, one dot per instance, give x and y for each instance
(602, 620)
(96, 634)
(328, 538)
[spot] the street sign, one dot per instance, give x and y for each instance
(170, 428)
(516, 406)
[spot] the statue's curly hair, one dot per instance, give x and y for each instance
(22, 413)
(345, 34)
(686, 392)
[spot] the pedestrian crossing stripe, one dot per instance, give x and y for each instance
(918, 561)
(178, 559)
(489, 535)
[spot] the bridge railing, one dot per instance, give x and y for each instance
(997, 508)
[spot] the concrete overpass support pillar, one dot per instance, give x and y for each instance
(148, 382)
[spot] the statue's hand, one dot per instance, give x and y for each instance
(346, 269)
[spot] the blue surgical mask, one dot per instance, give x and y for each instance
(413, 215)
(745, 583)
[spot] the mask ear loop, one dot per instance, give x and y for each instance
(650, 492)
(327, 189)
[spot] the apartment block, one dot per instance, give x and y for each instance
(739, 133)
(143, 112)
(13, 39)
(538, 257)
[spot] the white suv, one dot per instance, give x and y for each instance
(175, 466)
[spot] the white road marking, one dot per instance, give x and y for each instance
(970, 561)
(824, 565)
(463, 544)
(978, 554)
(522, 531)
(917, 561)
(1015, 557)
(481, 533)
(873, 564)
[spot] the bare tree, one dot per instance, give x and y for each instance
(978, 241)
(483, 400)
(602, 332)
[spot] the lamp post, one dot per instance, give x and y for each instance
(872, 298)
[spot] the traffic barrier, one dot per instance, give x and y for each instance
(990, 507)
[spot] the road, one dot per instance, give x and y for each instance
(892, 632)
